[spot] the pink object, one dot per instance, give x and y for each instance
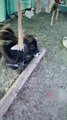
(49, 93)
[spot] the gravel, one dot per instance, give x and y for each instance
(44, 96)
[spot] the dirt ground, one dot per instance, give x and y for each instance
(44, 96)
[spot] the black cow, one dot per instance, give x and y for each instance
(15, 57)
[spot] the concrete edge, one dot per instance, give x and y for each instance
(19, 83)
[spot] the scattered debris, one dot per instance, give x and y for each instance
(29, 13)
(65, 42)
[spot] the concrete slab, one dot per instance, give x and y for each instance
(16, 87)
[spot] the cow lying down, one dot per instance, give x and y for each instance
(13, 57)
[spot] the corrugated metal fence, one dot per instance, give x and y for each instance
(8, 7)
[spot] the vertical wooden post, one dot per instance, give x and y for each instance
(52, 18)
(38, 6)
(57, 14)
(47, 7)
(20, 28)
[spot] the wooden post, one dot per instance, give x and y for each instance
(47, 7)
(57, 14)
(38, 6)
(52, 18)
(20, 28)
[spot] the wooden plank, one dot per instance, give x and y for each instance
(16, 87)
